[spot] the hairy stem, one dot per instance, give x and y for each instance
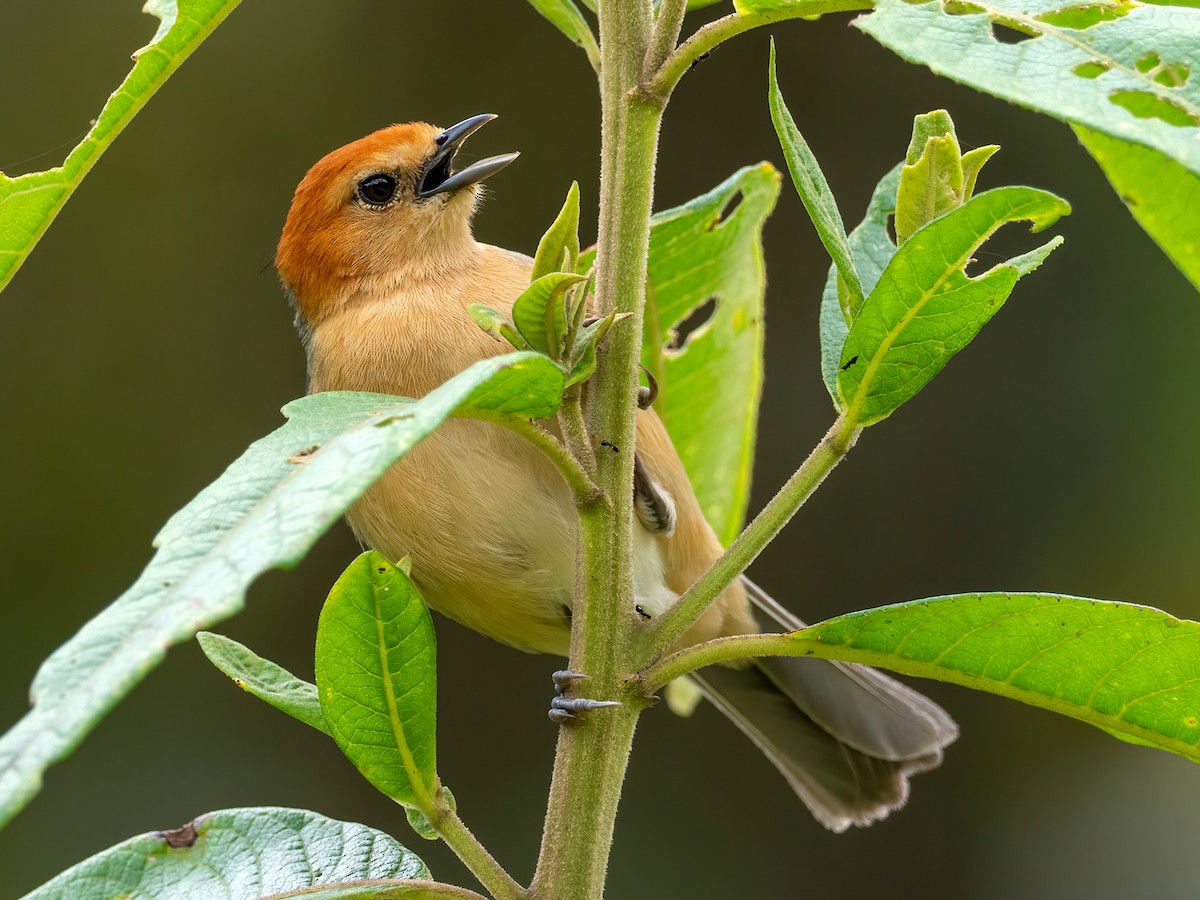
(672, 624)
(667, 26)
(593, 751)
(712, 35)
(472, 853)
(715, 651)
(585, 490)
(574, 429)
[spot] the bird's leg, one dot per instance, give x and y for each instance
(654, 506)
(563, 708)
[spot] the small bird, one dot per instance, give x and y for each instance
(379, 262)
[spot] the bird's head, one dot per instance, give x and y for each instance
(385, 207)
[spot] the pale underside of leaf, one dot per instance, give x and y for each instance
(872, 248)
(264, 679)
(264, 512)
(237, 854)
(1146, 57)
(1129, 669)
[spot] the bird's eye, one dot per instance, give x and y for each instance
(377, 189)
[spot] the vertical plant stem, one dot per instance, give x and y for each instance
(593, 751)
(473, 854)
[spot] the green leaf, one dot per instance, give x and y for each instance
(1117, 67)
(236, 854)
(421, 824)
(565, 16)
(1132, 670)
(1163, 196)
(814, 192)
(377, 680)
(562, 238)
(497, 324)
(585, 347)
(872, 247)
(265, 511)
(264, 679)
(709, 389)
(29, 203)
(925, 309)
(937, 176)
(540, 313)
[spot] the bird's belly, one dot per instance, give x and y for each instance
(491, 530)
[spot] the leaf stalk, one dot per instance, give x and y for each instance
(668, 628)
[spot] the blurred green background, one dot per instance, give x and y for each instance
(146, 342)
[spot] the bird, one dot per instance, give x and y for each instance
(379, 263)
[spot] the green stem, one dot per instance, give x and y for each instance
(472, 853)
(585, 490)
(715, 651)
(574, 428)
(712, 35)
(593, 751)
(671, 625)
(667, 26)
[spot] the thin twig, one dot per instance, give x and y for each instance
(671, 625)
(712, 35)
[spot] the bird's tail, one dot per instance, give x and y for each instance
(845, 737)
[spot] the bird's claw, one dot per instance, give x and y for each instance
(647, 395)
(564, 709)
(564, 680)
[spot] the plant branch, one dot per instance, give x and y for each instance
(593, 751)
(671, 625)
(712, 35)
(574, 429)
(585, 490)
(667, 27)
(472, 853)
(719, 650)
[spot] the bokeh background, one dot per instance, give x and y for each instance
(146, 342)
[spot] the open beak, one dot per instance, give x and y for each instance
(438, 177)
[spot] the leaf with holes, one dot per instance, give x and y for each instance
(240, 854)
(377, 681)
(706, 257)
(925, 308)
(1120, 68)
(29, 203)
(264, 679)
(873, 249)
(1131, 670)
(1163, 196)
(814, 192)
(264, 512)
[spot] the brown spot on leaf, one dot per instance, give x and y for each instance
(183, 836)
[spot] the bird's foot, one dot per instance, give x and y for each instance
(565, 709)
